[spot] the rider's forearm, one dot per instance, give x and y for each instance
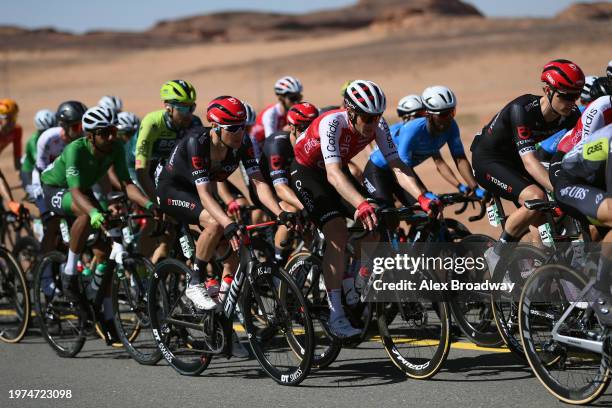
(465, 169)
(538, 172)
(446, 172)
(81, 200)
(224, 192)
(211, 205)
(407, 178)
(114, 180)
(342, 184)
(135, 195)
(266, 196)
(145, 181)
(5, 190)
(285, 193)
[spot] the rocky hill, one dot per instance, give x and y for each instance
(587, 11)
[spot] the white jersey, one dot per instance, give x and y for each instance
(50, 145)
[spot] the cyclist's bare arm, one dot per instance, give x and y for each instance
(445, 171)
(205, 192)
(5, 190)
(142, 174)
(285, 193)
(537, 171)
(340, 181)
(265, 194)
(465, 169)
(81, 200)
(134, 193)
(406, 177)
(112, 175)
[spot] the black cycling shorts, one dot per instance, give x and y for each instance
(320, 199)
(179, 201)
(383, 187)
(502, 177)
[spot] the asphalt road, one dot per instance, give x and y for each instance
(363, 377)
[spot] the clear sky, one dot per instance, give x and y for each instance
(80, 16)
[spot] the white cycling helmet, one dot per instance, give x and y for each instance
(438, 98)
(111, 102)
(44, 119)
(250, 114)
(127, 122)
(409, 105)
(365, 97)
(99, 117)
(586, 89)
(288, 85)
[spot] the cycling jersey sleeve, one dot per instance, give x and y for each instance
(119, 162)
(521, 131)
(198, 155)
(144, 142)
(41, 154)
(73, 162)
(593, 119)
(246, 154)
(385, 142)
(269, 121)
(277, 163)
(405, 140)
(454, 142)
(17, 148)
(329, 131)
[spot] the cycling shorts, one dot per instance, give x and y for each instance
(320, 199)
(383, 187)
(179, 201)
(59, 201)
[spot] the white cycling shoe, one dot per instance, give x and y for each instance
(238, 350)
(200, 297)
(341, 328)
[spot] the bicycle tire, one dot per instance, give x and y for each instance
(531, 339)
(131, 292)
(164, 289)
(261, 336)
(12, 279)
(52, 310)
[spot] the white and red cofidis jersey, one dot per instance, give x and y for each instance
(49, 146)
(269, 120)
(597, 115)
(331, 138)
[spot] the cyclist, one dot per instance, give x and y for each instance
(324, 186)
(408, 108)
(583, 188)
(275, 162)
(273, 118)
(111, 102)
(30, 177)
(418, 140)
(504, 156)
(10, 130)
(188, 180)
(127, 127)
(67, 185)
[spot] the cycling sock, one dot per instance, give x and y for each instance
(71, 263)
(108, 308)
(503, 240)
(603, 271)
(334, 299)
(196, 272)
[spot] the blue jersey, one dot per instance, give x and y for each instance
(550, 145)
(394, 128)
(415, 144)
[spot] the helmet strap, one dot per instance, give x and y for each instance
(219, 132)
(550, 97)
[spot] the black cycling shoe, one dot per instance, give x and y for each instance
(110, 333)
(70, 287)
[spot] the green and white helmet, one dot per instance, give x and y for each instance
(178, 90)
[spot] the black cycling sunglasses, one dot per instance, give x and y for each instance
(106, 132)
(232, 128)
(294, 97)
(365, 118)
(570, 97)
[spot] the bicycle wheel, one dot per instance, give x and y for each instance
(26, 252)
(473, 312)
(306, 270)
(183, 348)
(573, 374)
(62, 322)
(277, 322)
(418, 339)
(14, 299)
(130, 310)
(516, 267)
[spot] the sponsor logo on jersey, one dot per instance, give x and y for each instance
(72, 171)
(594, 148)
(181, 203)
(579, 193)
(524, 132)
(598, 198)
(499, 183)
(197, 162)
(331, 135)
(276, 161)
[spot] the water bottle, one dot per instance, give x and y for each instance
(225, 285)
(96, 282)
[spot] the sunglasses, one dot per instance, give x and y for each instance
(184, 109)
(365, 118)
(106, 132)
(232, 128)
(570, 97)
(450, 113)
(294, 97)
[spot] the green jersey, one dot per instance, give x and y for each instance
(78, 168)
(29, 159)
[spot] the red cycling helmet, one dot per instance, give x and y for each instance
(563, 75)
(226, 110)
(302, 114)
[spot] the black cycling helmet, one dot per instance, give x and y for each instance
(70, 112)
(600, 87)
